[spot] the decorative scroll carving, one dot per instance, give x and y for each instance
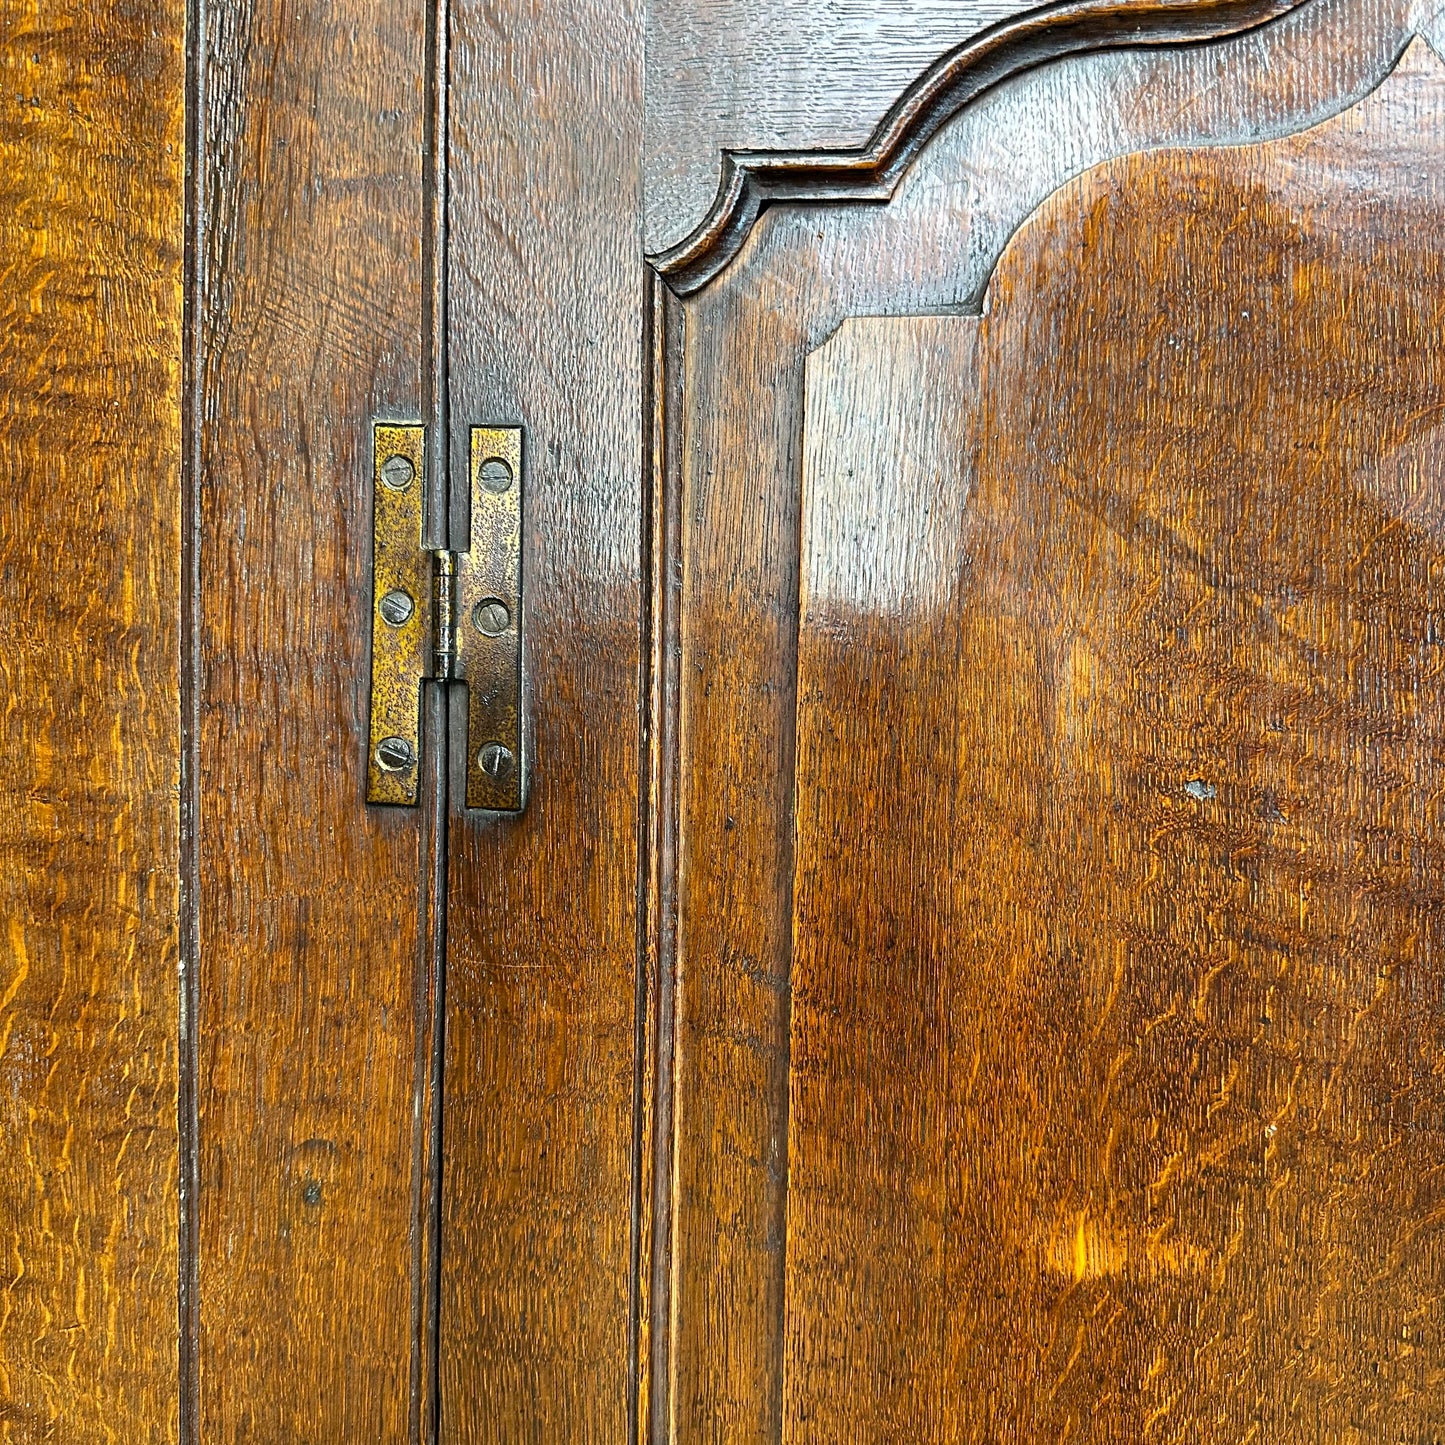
(753, 180)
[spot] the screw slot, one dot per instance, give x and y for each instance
(394, 755)
(496, 762)
(491, 617)
(496, 476)
(397, 607)
(397, 473)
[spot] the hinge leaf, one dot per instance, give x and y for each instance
(401, 613)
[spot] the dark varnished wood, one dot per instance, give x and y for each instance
(91, 228)
(314, 982)
(889, 941)
(1117, 1054)
(546, 331)
(739, 379)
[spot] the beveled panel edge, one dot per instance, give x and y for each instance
(996, 257)
(753, 180)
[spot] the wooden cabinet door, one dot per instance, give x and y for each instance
(966, 968)
(1047, 841)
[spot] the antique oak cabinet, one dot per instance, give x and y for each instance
(910, 906)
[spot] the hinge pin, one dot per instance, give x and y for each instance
(444, 623)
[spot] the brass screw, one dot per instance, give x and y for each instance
(496, 762)
(491, 617)
(397, 607)
(394, 755)
(397, 473)
(496, 475)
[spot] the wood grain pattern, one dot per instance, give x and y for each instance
(546, 331)
(889, 941)
(1176, 1267)
(1118, 1061)
(738, 467)
(314, 987)
(91, 227)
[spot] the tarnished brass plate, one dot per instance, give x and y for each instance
(401, 615)
(489, 621)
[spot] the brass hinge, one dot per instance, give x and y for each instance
(441, 616)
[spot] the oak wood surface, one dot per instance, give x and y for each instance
(91, 228)
(751, 181)
(887, 965)
(803, 1284)
(546, 330)
(739, 381)
(313, 979)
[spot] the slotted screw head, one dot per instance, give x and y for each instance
(397, 607)
(394, 755)
(496, 762)
(491, 616)
(496, 475)
(397, 473)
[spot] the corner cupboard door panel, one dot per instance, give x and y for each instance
(1059, 952)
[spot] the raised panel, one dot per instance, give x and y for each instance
(745, 821)
(1117, 1040)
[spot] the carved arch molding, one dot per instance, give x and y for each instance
(1110, 1113)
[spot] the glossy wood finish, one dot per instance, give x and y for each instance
(896, 962)
(735, 486)
(546, 330)
(313, 979)
(772, 76)
(91, 228)
(1117, 1056)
